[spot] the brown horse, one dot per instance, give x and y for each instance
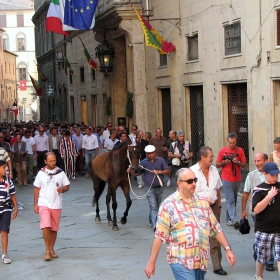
(112, 167)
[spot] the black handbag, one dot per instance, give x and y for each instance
(244, 226)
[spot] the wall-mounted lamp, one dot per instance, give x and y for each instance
(148, 10)
(59, 60)
(268, 56)
(105, 53)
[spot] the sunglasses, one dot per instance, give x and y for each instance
(189, 181)
(134, 129)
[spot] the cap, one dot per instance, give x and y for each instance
(271, 168)
(150, 149)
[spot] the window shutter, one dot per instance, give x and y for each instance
(278, 27)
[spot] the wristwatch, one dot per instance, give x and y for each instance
(227, 248)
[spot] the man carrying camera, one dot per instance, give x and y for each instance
(180, 151)
(231, 158)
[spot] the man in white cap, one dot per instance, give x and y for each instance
(155, 169)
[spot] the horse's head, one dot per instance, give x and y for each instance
(134, 156)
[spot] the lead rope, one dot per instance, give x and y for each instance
(145, 195)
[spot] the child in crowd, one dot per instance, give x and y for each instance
(8, 202)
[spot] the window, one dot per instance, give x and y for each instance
(5, 42)
(278, 27)
(162, 59)
(22, 70)
(193, 48)
(71, 79)
(20, 20)
(21, 42)
(82, 74)
(3, 21)
(93, 74)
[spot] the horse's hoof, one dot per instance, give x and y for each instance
(110, 223)
(123, 220)
(97, 219)
(115, 228)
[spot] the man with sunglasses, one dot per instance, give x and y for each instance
(185, 224)
(208, 188)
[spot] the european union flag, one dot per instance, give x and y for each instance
(79, 13)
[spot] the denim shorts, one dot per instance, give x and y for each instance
(182, 273)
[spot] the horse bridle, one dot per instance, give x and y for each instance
(155, 175)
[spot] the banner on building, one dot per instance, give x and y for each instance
(153, 38)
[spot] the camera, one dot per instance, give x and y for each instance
(230, 157)
(184, 159)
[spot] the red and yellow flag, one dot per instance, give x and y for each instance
(153, 38)
(90, 61)
(36, 85)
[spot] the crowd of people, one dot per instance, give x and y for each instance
(35, 151)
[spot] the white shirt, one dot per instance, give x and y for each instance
(109, 143)
(54, 143)
(42, 142)
(90, 142)
(214, 180)
(48, 195)
(30, 142)
(105, 134)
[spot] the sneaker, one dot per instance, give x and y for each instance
(258, 278)
(236, 225)
(140, 186)
(168, 183)
(87, 175)
(74, 178)
(5, 259)
(230, 223)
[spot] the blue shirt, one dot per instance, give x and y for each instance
(158, 164)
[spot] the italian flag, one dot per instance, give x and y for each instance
(54, 18)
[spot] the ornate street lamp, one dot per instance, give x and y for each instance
(147, 8)
(59, 60)
(105, 53)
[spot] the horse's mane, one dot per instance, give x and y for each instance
(119, 145)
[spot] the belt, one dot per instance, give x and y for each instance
(156, 187)
(41, 151)
(90, 150)
(55, 149)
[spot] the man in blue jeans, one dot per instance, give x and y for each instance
(231, 159)
(155, 169)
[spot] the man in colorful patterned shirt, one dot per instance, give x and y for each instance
(185, 224)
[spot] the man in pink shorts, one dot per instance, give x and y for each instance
(49, 184)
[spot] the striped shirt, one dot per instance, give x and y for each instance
(6, 189)
(5, 156)
(186, 228)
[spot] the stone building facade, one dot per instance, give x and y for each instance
(8, 82)
(18, 37)
(224, 76)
